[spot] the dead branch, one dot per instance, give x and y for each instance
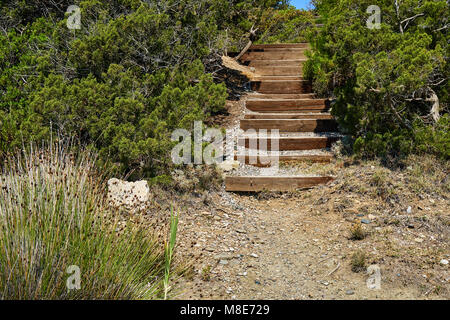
(436, 108)
(249, 44)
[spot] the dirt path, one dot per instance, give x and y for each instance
(298, 247)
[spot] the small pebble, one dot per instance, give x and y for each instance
(349, 292)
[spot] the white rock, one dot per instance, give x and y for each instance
(228, 166)
(130, 195)
(444, 262)
(409, 210)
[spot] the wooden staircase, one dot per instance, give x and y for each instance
(283, 100)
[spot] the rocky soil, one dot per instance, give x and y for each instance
(298, 246)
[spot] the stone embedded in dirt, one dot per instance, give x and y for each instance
(365, 221)
(444, 262)
(349, 292)
(228, 165)
(223, 256)
(409, 210)
(254, 255)
(128, 195)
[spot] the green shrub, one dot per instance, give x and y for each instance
(382, 80)
(133, 73)
(285, 26)
(434, 139)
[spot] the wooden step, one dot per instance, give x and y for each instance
(288, 116)
(290, 125)
(278, 78)
(274, 183)
(291, 103)
(268, 49)
(287, 109)
(265, 161)
(284, 105)
(282, 110)
(277, 63)
(275, 96)
(273, 55)
(279, 71)
(289, 143)
(280, 45)
(289, 86)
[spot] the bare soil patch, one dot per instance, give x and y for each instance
(300, 245)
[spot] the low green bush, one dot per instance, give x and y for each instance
(385, 82)
(134, 72)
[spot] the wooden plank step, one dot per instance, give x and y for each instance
(293, 103)
(288, 109)
(277, 63)
(273, 183)
(264, 161)
(290, 143)
(252, 115)
(280, 96)
(277, 49)
(290, 125)
(288, 86)
(279, 71)
(281, 110)
(281, 45)
(278, 78)
(273, 55)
